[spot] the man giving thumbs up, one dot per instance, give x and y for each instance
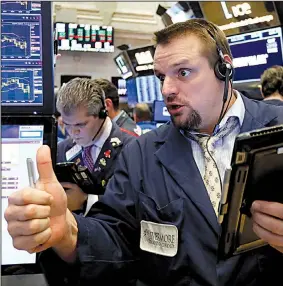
(37, 218)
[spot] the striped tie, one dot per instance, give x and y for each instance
(87, 158)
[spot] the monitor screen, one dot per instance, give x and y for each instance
(254, 52)
(21, 137)
(178, 14)
(124, 66)
(25, 46)
(19, 142)
(120, 83)
(148, 89)
(131, 86)
(84, 37)
(161, 113)
(142, 60)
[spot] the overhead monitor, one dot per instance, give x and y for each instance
(142, 60)
(120, 83)
(21, 137)
(235, 17)
(160, 112)
(84, 37)
(124, 65)
(26, 57)
(254, 52)
(180, 12)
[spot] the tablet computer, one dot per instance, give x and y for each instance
(255, 174)
(21, 138)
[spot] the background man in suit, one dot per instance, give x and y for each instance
(143, 117)
(157, 222)
(94, 140)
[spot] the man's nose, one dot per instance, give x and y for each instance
(169, 87)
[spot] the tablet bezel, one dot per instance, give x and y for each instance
(246, 146)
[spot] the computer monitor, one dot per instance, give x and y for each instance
(142, 60)
(160, 113)
(21, 137)
(124, 65)
(131, 86)
(148, 89)
(120, 83)
(254, 52)
(26, 57)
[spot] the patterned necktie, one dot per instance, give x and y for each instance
(88, 161)
(211, 176)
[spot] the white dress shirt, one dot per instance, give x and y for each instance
(95, 150)
(223, 147)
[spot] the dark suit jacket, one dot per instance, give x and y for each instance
(105, 163)
(157, 180)
(125, 122)
(273, 101)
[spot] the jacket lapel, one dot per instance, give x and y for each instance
(104, 164)
(181, 166)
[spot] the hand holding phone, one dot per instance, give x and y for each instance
(79, 175)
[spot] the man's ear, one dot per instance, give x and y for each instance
(108, 103)
(228, 59)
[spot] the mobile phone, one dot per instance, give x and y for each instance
(79, 175)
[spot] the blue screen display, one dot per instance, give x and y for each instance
(21, 53)
(161, 113)
(254, 52)
(131, 86)
(148, 89)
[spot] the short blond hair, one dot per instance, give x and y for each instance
(80, 92)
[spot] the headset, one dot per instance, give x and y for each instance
(223, 70)
(103, 113)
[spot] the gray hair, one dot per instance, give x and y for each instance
(80, 92)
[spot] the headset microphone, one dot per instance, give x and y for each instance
(98, 130)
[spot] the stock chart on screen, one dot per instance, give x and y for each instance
(21, 53)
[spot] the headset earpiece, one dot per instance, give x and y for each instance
(220, 70)
(103, 113)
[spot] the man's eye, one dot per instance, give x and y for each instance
(161, 78)
(184, 72)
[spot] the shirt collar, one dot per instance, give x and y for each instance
(236, 110)
(103, 134)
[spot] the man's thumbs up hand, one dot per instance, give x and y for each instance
(37, 216)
